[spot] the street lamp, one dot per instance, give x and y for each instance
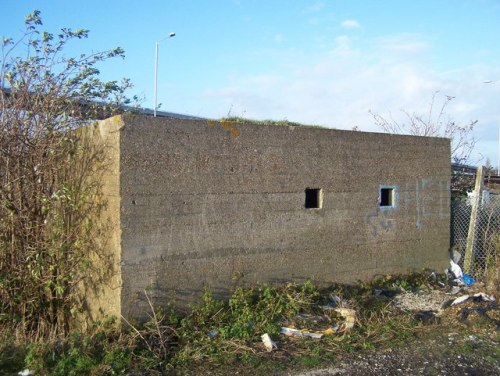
(171, 35)
(498, 165)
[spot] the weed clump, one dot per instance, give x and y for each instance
(102, 350)
(224, 333)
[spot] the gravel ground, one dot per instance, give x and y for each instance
(451, 354)
(463, 339)
(472, 352)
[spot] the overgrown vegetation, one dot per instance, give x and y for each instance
(49, 176)
(236, 119)
(49, 201)
(219, 334)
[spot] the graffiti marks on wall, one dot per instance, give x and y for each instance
(427, 204)
(380, 222)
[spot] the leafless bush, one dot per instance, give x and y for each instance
(434, 123)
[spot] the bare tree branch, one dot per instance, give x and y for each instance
(434, 123)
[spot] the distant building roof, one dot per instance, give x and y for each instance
(463, 168)
(163, 114)
(124, 108)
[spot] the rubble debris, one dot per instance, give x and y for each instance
(429, 300)
(268, 342)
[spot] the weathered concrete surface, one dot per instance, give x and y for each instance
(206, 204)
(103, 289)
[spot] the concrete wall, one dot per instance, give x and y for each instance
(103, 289)
(222, 204)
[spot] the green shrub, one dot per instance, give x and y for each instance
(101, 351)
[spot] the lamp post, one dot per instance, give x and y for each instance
(498, 161)
(171, 35)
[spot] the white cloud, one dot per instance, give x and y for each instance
(337, 88)
(342, 40)
(350, 24)
(343, 47)
(316, 7)
(314, 21)
(405, 42)
(278, 38)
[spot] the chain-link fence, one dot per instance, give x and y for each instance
(486, 245)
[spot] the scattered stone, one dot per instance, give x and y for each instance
(431, 300)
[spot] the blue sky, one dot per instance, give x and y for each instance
(316, 62)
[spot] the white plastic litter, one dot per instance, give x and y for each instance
(349, 315)
(299, 333)
(484, 297)
(268, 342)
(454, 290)
(26, 372)
(456, 270)
(334, 301)
(460, 299)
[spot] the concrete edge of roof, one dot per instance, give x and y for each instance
(162, 114)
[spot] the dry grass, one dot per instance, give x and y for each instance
(223, 335)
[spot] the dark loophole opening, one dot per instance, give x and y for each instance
(313, 198)
(386, 196)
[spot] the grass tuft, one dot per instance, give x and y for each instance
(226, 334)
